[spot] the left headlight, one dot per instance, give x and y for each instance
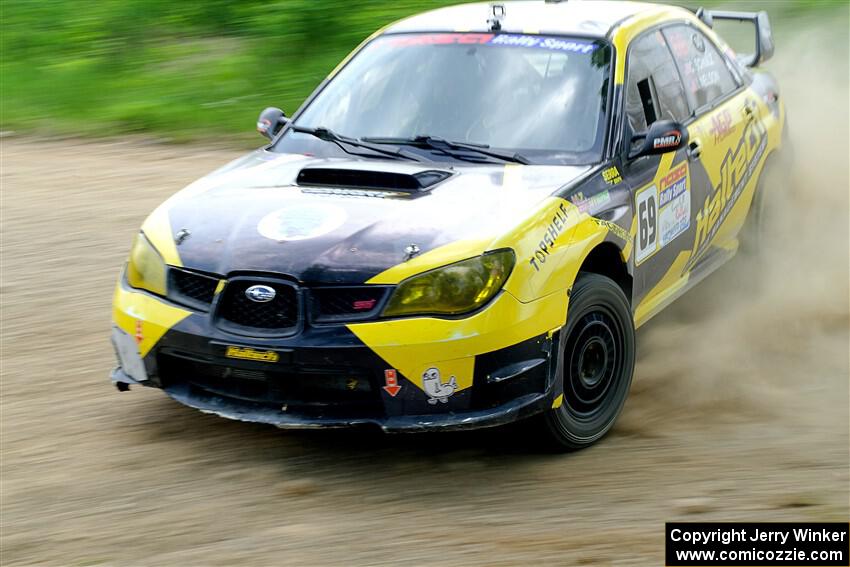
(146, 268)
(454, 289)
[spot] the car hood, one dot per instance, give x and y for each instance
(253, 215)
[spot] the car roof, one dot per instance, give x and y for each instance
(595, 18)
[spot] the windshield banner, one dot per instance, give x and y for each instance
(504, 39)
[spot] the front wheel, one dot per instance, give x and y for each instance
(597, 358)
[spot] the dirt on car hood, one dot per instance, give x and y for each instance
(255, 214)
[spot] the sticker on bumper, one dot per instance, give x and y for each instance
(247, 353)
(391, 378)
(437, 390)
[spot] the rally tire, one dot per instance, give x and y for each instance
(596, 364)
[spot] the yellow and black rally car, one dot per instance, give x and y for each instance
(462, 226)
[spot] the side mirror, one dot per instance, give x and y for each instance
(662, 136)
(270, 122)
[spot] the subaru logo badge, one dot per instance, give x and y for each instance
(260, 293)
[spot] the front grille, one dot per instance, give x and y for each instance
(190, 288)
(274, 385)
(242, 315)
(346, 303)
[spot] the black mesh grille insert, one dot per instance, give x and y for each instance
(273, 384)
(241, 314)
(190, 288)
(335, 303)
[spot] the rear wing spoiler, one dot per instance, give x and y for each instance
(764, 35)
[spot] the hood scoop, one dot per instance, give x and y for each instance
(318, 179)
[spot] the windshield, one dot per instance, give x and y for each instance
(543, 96)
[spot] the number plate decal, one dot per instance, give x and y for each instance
(646, 240)
(663, 212)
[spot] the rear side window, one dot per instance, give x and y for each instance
(703, 69)
(654, 90)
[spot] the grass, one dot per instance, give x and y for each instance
(190, 70)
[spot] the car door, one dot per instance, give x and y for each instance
(727, 140)
(661, 184)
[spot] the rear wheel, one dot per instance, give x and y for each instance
(757, 228)
(775, 185)
(597, 351)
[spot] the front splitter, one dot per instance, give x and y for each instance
(516, 409)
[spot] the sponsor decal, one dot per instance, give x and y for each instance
(435, 388)
(442, 39)
(504, 39)
(669, 140)
(736, 171)
(300, 222)
(673, 184)
(663, 211)
(247, 353)
(615, 229)
(704, 67)
(555, 228)
(721, 125)
(391, 378)
(698, 64)
(612, 175)
(592, 203)
(542, 42)
(675, 218)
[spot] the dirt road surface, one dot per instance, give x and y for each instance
(739, 409)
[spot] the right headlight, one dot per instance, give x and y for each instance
(145, 267)
(454, 289)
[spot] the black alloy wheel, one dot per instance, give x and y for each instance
(597, 352)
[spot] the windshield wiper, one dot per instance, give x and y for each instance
(328, 135)
(446, 146)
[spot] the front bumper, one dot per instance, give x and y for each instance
(516, 409)
(491, 368)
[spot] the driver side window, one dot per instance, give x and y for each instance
(654, 90)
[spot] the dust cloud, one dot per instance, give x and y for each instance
(767, 335)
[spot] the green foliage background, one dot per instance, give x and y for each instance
(183, 69)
